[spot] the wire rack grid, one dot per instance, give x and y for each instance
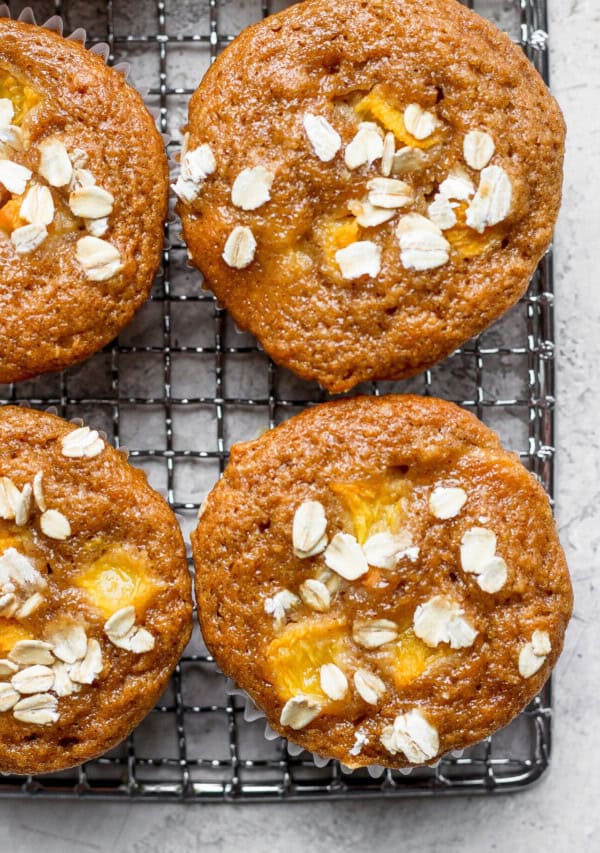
(181, 384)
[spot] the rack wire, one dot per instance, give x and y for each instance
(181, 384)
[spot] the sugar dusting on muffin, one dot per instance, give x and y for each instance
(392, 599)
(421, 239)
(44, 669)
(439, 621)
(83, 198)
(391, 210)
(36, 199)
(95, 604)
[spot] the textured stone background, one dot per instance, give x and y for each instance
(562, 811)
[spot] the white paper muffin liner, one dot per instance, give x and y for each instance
(79, 422)
(252, 712)
(56, 25)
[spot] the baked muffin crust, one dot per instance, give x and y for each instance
(382, 578)
(83, 198)
(95, 598)
(315, 192)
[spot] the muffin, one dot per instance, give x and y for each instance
(382, 579)
(365, 186)
(95, 597)
(83, 198)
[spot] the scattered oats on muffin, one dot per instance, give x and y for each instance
(383, 579)
(83, 198)
(365, 186)
(95, 598)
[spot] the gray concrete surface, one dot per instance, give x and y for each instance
(562, 812)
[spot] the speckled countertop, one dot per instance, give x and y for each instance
(562, 811)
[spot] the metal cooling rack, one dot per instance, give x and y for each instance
(181, 385)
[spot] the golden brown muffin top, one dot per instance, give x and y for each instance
(383, 579)
(95, 599)
(366, 185)
(83, 197)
